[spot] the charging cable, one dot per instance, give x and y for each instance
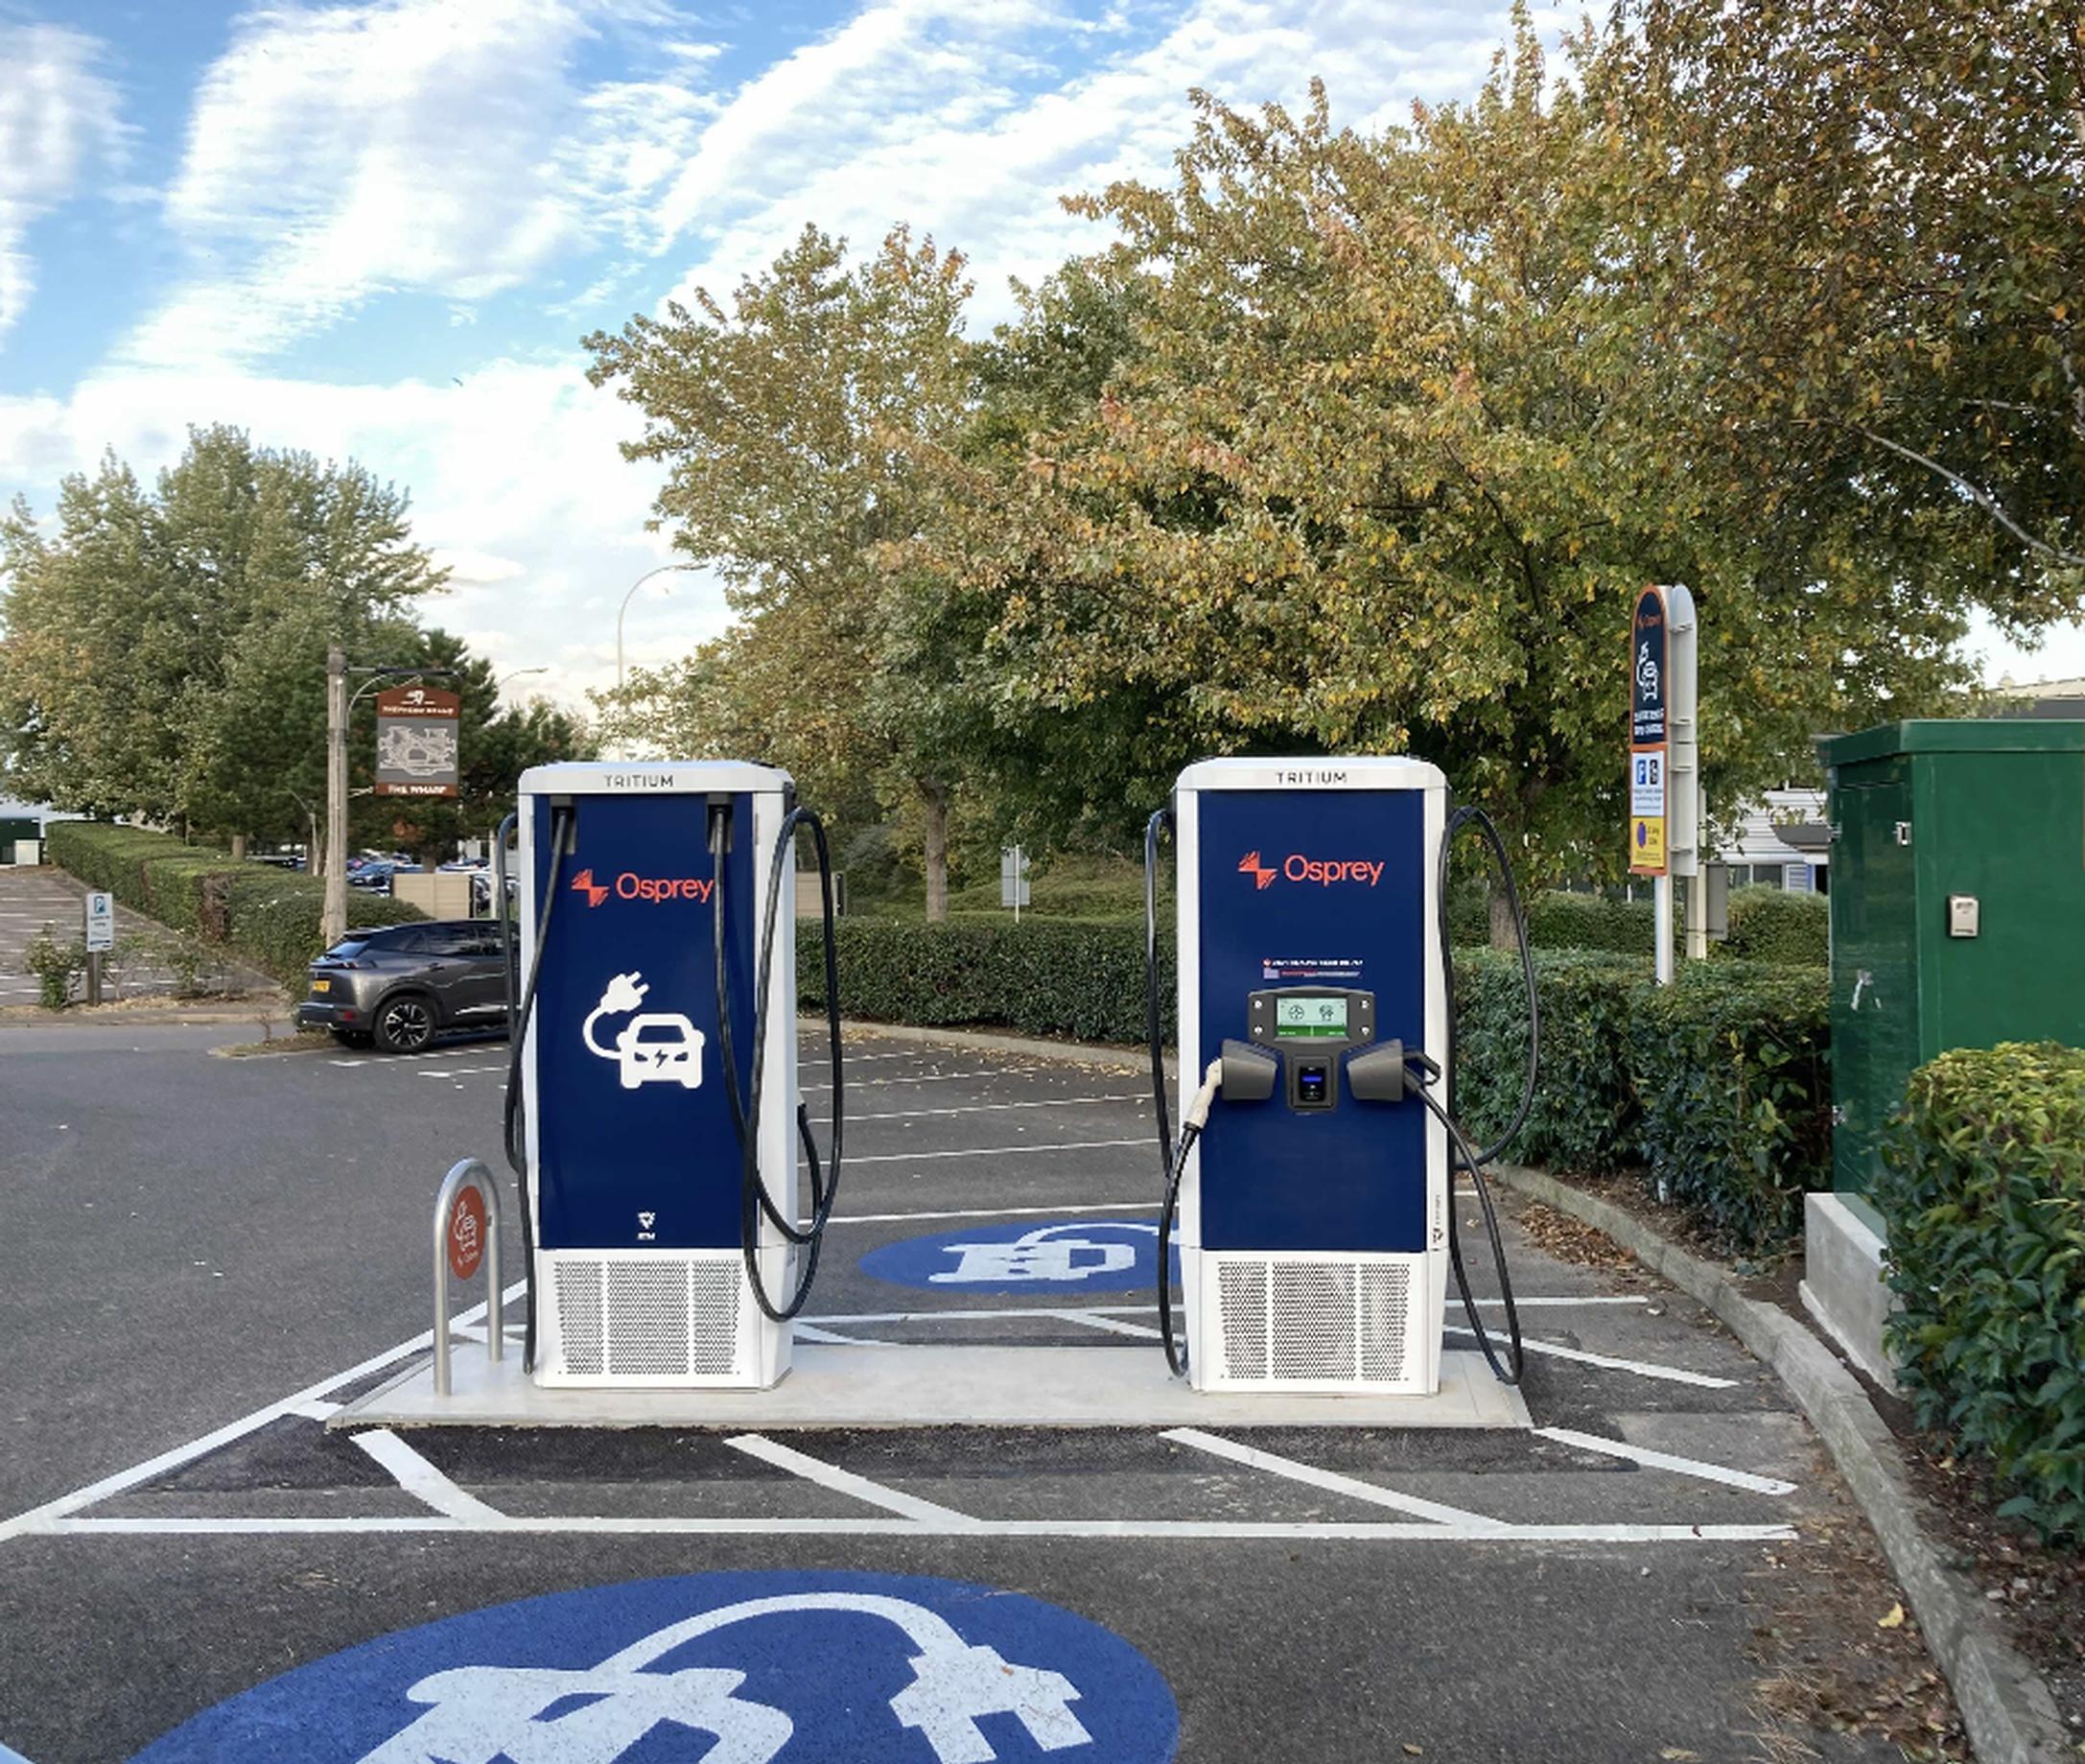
(1193, 1118)
(756, 1200)
(564, 820)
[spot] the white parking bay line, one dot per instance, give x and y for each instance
(1331, 1481)
(990, 1108)
(1666, 1461)
(984, 1212)
(939, 1077)
(1643, 1369)
(419, 1478)
(845, 1482)
(996, 1151)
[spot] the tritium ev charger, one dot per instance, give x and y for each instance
(653, 1100)
(1314, 1208)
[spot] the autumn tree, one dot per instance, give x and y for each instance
(784, 421)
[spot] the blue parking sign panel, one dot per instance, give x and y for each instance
(1037, 1256)
(790, 1667)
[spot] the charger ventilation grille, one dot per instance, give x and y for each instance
(1314, 1321)
(654, 1317)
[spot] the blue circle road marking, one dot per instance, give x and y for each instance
(793, 1668)
(1057, 1255)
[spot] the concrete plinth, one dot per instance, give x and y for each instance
(1843, 1286)
(929, 1387)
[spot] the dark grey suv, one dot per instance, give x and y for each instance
(401, 985)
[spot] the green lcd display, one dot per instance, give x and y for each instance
(1306, 1015)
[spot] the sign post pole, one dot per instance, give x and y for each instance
(333, 914)
(1663, 767)
(100, 938)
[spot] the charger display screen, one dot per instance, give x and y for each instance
(1304, 1016)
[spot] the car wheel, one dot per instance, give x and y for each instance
(352, 1038)
(405, 1024)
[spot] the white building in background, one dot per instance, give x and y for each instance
(1783, 842)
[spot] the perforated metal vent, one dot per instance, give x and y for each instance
(1313, 1321)
(655, 1317)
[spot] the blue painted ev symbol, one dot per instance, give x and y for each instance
(1075, 1256)
(768, 1668)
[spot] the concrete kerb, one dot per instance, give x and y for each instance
(2010, 1714)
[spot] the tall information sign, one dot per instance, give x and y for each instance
(1649, 733)
(416, 741)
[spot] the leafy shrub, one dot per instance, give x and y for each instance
(1586, 1115)
(1773, 924)
(1558, 920)
(1984, 1185)
(1045, 977)
(55, 965)
(271, 916)
(1730, 1069)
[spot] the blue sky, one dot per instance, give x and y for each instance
(380, 230)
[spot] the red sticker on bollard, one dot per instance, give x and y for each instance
(467, 1232)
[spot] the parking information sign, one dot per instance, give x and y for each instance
(416, 741)
(101, 923)
(1648, 734)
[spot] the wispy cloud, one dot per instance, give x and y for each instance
(59, 116)
(441, 146)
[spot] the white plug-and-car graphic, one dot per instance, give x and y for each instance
(654, 1047)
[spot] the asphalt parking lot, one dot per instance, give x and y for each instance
(189, 1529)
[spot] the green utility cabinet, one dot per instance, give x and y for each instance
(1957, 902)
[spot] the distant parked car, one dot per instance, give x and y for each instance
(401, 985)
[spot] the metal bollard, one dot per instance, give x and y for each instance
(466, 1173)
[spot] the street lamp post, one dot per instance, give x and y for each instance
(661, 570)
(515, 675)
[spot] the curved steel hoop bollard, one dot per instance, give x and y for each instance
(466, 1173)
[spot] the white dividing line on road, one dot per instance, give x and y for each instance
(939, 1077)
(810, 1332)
(984, 1212)
(1330, 1481)
(992, 1108)
(386, 1062)
(1644, 1369)
(1114, 1326)
(996, 1151)
(419, 1478)
(858, 1059)
(51, 1515)
(847, 1482)
(1666, 1461)
(1306, 1531)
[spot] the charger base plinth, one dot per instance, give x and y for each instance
(932, 1386)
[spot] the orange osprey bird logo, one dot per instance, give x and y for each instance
(1251, 865)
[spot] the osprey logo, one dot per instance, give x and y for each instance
(584, 883)
(630, 887)
(1325, 873)
(1251, 865)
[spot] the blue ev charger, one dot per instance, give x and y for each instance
(1313, 1171)
(653, 1111)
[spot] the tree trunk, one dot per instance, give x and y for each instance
(934, 801)
(1503, 935)
(239, 848)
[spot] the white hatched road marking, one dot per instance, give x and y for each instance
(419, 1478)
(1666, 1461)
(1648, 1369)
(845, 1482)
(1331, 1481)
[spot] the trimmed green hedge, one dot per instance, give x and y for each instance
(1716, 1087)
(266, 916)
(1984, 1185)
(1078, 978)
(1773, 924)
(1730, 1065)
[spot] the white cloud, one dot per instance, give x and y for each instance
(58, 115)
(921, 112)
(516, 479)
(431, 146)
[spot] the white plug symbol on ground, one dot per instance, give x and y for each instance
(656, 1048)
